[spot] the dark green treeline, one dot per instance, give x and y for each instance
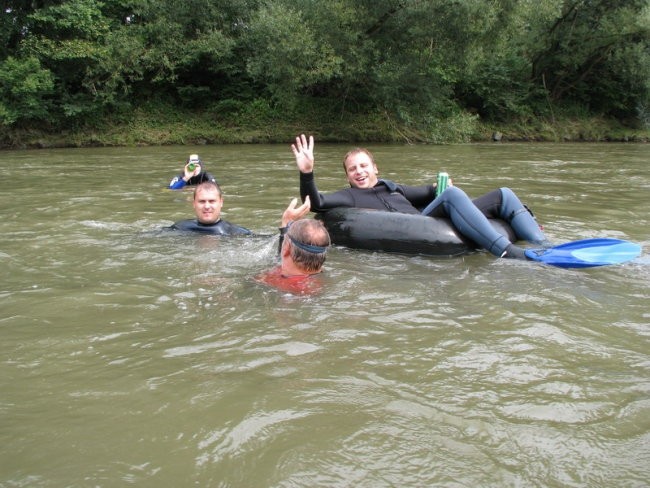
(418, 66)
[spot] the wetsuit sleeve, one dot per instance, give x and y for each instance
(177, 183)
(419, 196)
(320, 202)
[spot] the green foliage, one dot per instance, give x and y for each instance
(459, 127)
(498, 88)
(292, 59)
(589, 52)
(25, 89)
(423, 67)
(74, 19)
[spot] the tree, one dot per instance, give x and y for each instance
(413, 61)
(293, 60)
(593, 53)
(25, 90)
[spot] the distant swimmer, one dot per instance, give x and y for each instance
(193, 174)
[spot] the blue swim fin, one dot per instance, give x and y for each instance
(586, 253)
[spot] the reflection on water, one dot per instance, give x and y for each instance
(135, 355)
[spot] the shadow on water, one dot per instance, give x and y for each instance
(142, 356)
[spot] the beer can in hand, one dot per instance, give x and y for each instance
(443, 181)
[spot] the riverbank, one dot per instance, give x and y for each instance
(146, 128)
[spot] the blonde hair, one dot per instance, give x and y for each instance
(208, 185)
(354, 151)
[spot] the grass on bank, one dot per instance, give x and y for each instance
(158, 125)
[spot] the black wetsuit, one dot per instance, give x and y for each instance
(385, 195)
(177, 182)
(219, 228)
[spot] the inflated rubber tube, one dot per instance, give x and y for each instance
(378, 230)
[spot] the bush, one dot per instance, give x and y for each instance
(24, 91)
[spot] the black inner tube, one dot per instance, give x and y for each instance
(378, 230)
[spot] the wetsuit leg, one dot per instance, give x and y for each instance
(468, 219)
(519, 218)
(504, 204)
(490, 204)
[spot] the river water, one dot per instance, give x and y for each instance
(135, 356)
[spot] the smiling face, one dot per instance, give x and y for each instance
(360, 169)
(207, 203)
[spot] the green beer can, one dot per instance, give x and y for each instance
(443, 181)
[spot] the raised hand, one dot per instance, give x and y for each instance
(294, 213)
(187, 173)
(303, 150)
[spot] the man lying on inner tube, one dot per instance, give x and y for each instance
(469, 217)
(193, 174)
(207, 203)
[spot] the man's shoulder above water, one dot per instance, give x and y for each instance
(221, 227)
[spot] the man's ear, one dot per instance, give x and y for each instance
(286, 248)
